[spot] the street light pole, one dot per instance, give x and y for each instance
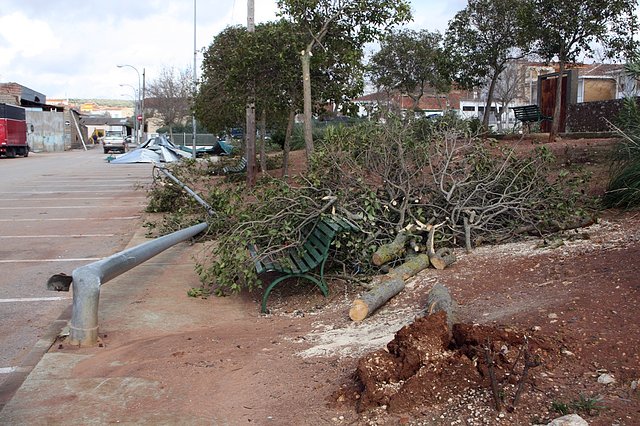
(135, 109)
(250, 133)
(142, 132)
(139, 93)
(193, 95)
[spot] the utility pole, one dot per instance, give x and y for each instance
(193, 109)
(139, 101)
(144, 139)
(250, 134)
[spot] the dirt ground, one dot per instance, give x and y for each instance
(563, 309)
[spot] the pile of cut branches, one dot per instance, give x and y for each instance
(390, 179)
(481, 192)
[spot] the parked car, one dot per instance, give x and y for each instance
(114, 141)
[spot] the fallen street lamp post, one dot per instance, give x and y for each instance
(195, 196)
(86, 280)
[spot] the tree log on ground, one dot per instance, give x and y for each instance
(389, 285)
(541, 229)
(411, 267)
(391, 251)
(443, 257)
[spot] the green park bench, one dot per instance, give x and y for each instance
(238, 168)
(302, 260)
(528, 114)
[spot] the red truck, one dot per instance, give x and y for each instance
(13, 131)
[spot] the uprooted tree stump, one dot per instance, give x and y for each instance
(456, 360)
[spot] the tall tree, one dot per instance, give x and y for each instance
(481, 39)
(347, 21)
(233, 59)
(411, 62)
(509, 87)
(170, 95)
(279, 87)
(569, 29)
(221, 99)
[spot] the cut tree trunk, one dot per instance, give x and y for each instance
(439, 299)
(389, 285)
(443, 257)
(411, 267)
(388, 252)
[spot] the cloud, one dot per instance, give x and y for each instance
(25, 37)
(71, 47)
(434, 15)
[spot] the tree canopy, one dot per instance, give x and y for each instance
(481, 39)
(219, 106)
(330, 23)
(236, 57)
(411, 62)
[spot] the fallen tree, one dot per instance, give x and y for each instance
(386, 178)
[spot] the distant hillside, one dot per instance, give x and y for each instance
(119, 103)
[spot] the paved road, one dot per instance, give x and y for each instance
(58, 211)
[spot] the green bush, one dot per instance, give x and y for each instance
(623, 190)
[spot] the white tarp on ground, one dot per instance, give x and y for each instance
(155, 150)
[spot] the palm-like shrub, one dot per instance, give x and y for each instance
(624, 186)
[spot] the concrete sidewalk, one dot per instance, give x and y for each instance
(147, 301)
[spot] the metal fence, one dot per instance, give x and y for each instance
(202, 139)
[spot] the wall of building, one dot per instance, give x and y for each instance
(75, 133)
(46, 131)
(593, 116)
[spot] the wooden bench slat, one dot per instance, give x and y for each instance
(260, 267)
(332, 224)
(345, 224)
(238, 168)
(325, 229)
(313, 251)
(312, 261)
(318, 245)
(293, 266)
(529, 113)
(280, 267)
(300, 264)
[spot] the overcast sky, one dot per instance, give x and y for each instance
(71, 48)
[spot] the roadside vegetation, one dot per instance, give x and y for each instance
(624, 188)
